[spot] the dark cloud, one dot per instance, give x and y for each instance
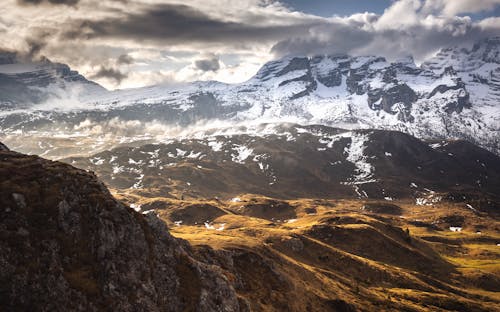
(36, 42)
(124, 59)
(35, 46)
(211, 64)
(332, 38)
(54, 2)
(418, 40)
(183, 24)
(110, 73)
(178, 23)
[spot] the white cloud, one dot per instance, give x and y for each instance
(402, 13)
(454, 7)
(490, 23)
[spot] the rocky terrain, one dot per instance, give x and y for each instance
(67, 244)
(345, 255)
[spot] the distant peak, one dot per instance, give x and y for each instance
(406, 60)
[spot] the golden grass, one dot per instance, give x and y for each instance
(319, 272)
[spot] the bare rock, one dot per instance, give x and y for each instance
(68, 245)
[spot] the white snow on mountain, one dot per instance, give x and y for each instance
(455, 94)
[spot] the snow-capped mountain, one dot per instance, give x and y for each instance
(24, 84)
(452, 95)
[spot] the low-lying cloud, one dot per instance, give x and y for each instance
(109, 73)
(210, 64)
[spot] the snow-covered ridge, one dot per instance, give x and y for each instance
(455, 94)
(23, 84)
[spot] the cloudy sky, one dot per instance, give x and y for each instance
(133, 43)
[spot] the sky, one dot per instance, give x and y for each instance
(327, 8)
(135, 43)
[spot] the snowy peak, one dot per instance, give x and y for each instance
(321, 67)
(24, 83)
(489, 49)
(385, 84)
(466, 60)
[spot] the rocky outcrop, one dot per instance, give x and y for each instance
(302, 64)
(331, 77)
(457, 103)
(387, 100)
(297, 63)
(67, 245)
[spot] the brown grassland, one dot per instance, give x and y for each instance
(343, 255)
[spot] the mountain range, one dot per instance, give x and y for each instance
(452, 95)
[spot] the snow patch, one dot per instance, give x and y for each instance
(97, 161)
(242, 153)
(355, 154)
(136, 207)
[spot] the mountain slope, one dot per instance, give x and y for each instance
(67, 244)
(24, 84)
(292, 161)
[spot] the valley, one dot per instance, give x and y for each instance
(339, 220)
(246, 253)
(345, 255)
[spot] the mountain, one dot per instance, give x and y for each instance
(27, 83)
(293, 161)
(68, 245)
(453, 95)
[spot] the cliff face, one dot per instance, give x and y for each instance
(67, 244)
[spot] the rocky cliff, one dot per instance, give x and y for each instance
(67, 245)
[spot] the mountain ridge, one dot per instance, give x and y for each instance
(24, 83)
(296, 161)
(454, 95)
